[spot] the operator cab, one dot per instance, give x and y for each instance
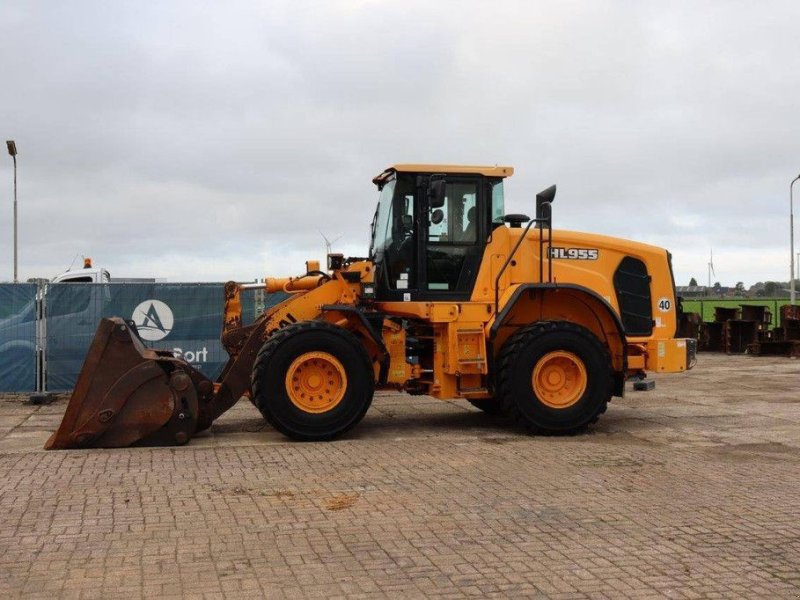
(430, 229)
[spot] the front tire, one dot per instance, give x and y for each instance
(555, 377)
(313, 381)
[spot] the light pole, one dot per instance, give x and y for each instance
(791, 243)
(12, 150)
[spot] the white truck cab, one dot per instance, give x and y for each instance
(88, 274)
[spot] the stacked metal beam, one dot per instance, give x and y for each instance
(785, 339)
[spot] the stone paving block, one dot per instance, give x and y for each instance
(688, 491)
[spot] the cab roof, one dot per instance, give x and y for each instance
(487, 170)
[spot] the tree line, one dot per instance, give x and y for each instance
(762, 289)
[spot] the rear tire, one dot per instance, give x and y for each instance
(555, 377)
(313, 381)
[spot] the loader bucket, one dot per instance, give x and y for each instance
(127, 394)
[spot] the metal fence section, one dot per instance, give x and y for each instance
(182, 317)
(18, 329)
(46, 330)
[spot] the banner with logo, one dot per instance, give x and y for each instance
(17, 337)
(185, 318)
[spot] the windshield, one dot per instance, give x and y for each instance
(380, 224)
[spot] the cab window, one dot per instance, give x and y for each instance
(498, 202)
(455, 222)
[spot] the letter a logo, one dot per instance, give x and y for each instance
(153, 319)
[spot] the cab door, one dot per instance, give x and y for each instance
(452, 240)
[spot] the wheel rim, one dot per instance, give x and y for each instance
(559, 379)
(316, 382)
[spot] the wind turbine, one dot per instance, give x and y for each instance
(711, 269)
(329, 243)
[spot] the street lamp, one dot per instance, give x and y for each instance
(791, 243)
(12, 150)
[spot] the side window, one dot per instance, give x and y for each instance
(498, 202)
(456, 221)
(437, 224)
(469, 217)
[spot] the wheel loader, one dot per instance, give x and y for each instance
(455, 299)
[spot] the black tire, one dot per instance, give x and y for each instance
(491, 406)
(518, 359)
(269, 374)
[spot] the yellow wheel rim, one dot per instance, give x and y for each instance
(316, 382)
(559, 379)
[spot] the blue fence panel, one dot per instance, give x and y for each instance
(18, 337)
(185, 318)
(182, 317)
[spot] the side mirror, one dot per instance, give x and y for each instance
(408, 222)
(543, 201)
(437, 216)
(436, 190)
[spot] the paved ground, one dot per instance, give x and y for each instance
(688, 491)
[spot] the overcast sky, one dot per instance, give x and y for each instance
(206, 141)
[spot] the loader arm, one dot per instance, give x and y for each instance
(127, 394)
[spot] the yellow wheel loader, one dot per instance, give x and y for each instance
(456, 299)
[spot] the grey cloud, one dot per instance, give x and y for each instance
(202, 141)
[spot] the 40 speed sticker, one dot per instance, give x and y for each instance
(664, 304)
(575, 253)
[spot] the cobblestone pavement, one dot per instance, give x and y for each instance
(688, 491)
